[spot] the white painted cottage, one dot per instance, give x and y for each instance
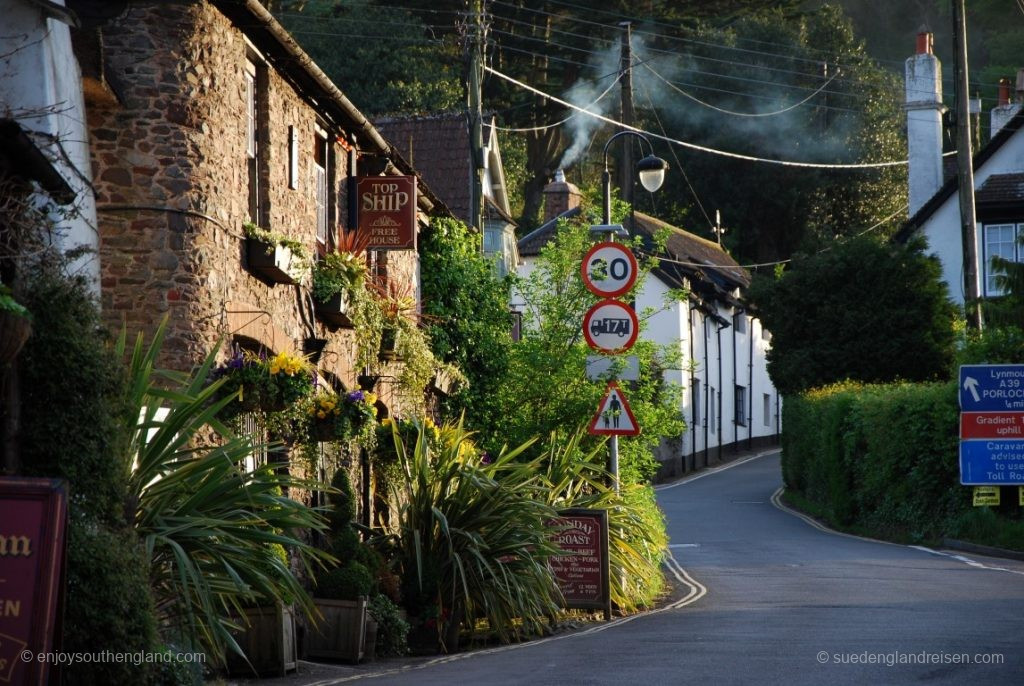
(729, 402)
(998, 177)
(42, 122)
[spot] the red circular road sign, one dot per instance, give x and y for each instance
(609, 269)
(610, 326)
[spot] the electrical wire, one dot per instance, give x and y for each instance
(738, 114)
(767, 264)
(693, 146)
(545, 127)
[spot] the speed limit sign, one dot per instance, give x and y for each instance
(609, 269)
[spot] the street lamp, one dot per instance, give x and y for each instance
(651, 170)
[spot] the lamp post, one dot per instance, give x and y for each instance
(651, 171)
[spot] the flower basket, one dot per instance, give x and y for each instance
(274, 262)
(322, 431)
(335, 311)
(389, 344)
(340, 417)
(264, 384)
(14, 331)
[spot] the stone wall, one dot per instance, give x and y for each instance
(171, 177)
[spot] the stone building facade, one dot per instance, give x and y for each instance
(203, 115)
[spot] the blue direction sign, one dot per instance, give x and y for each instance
(992, 463)
(991, 387)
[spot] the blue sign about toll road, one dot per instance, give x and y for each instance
(991, 387)
(992, 463)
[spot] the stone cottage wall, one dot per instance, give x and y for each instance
(172, 185)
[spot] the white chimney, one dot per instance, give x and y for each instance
(924, 122)
(1007, 109)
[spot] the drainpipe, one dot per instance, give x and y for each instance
(718, 335)
(735, 379)
(693, 379)
(750, 371)
(707, 390)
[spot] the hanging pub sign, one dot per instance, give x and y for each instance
(33, 514)
(582, 572)
(387, 211)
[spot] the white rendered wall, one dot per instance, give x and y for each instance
(41, 87)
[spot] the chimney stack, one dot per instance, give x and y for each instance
(560, 196)
(1007, 109)
(924, 122)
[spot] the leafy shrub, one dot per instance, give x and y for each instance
(1003, 345)
(881, 458)
(109, 606)
(347, 582)
(392, 630)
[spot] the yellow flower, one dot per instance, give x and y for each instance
(370, 398)
(387, 421)
(274, 369)
(321, 414)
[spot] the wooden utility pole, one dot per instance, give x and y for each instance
(477, 34)
(626, 171)
(965, 167)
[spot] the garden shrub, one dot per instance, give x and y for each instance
(883, 458)
(73, 404)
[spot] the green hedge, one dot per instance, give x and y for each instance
(881, 458)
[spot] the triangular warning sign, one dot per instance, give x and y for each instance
(614, 418)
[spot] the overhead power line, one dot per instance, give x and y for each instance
(693, 146)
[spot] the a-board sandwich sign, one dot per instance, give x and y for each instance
(582, 573)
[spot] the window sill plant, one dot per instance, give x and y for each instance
(274, 256)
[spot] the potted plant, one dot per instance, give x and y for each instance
(15, 326)
(398, 307)
(341, 416)
(339, 278)
(341, 593)
(264, 383)
(274, 256)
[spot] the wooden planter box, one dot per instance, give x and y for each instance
(274, 263)
(334, 311)
(341, 633)
(268, 641)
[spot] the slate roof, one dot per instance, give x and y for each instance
(438, 147)
(952, 184)
(1001, 188)
(687, 258)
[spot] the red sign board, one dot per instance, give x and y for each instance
(582, 574)
(608, 269)
(614, 417)
(991, 425)
(610, 326)
(387, 211)
(33, 513)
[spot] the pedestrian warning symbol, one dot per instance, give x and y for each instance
(614, 417)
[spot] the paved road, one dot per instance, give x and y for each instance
(785, 603)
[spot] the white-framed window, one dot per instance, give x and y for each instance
(740, 415)
(252, 139)
(1000, 240)
(696, 402)
(740, 322)
(711, 407)
(320, 186)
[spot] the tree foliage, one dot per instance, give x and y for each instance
(466, 308)
(863, 310)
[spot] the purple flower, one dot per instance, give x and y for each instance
(486, 458)
(355, 397)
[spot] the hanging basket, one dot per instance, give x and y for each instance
(14, 331)
(323, 430)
